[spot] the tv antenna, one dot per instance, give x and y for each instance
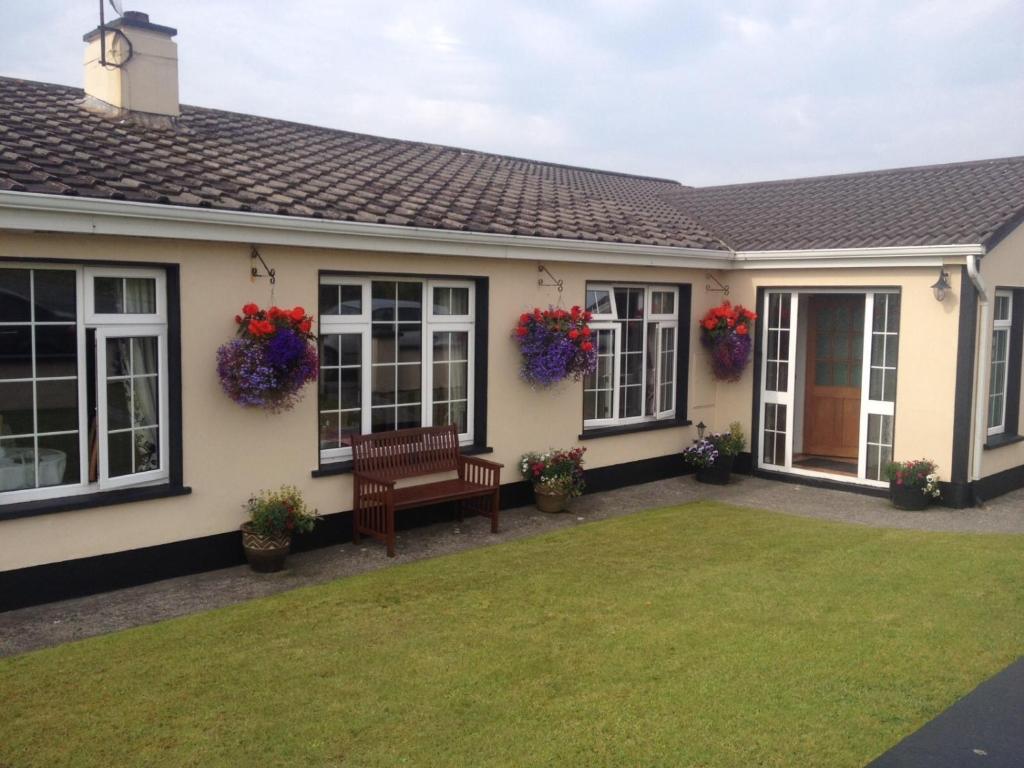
(118, 7)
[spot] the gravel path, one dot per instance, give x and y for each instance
(55, 623)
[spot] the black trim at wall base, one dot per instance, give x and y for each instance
(90, 575)
(996, 485)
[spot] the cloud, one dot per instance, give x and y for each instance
(703, 91)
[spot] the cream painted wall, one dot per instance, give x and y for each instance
(1003, 267)
(926, 377)
(230, 451)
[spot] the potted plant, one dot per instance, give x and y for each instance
(713, 456)
(273, 517)
(555, 344)
(725, 332)
(273, 357)
(557, 476)
(912, 484)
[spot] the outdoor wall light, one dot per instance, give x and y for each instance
(942, 285)
(701, 426)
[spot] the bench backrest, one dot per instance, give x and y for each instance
(407, 452)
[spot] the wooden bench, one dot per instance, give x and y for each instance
(380, 460)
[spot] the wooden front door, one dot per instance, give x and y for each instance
(835, 351)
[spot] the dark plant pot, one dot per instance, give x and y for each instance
(266, 554)
(551, 502)
(905, 497)
(718, 473)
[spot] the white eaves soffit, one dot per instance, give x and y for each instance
(32, 212)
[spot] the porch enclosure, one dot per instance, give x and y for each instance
(827, 382)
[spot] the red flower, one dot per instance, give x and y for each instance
(266, 327)
(521, 330)
(575, 312)
(741, 330)
(574, 334)
(586, 346)
(305, 325)
(524, 318)
(298, 313)
(587, 315)
(250, 309)
(585, 331)
(710, 324)
(254, 327)
(273, 312)
(238, 319)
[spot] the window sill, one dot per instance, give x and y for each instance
(998, 441)
(91, 500)
(626, 429)
(345, 467)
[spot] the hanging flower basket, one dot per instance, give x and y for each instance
(726, 332)
(272, 359)
(556, 345)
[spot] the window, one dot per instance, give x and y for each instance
(395, 352)
(999, 370)
(635, 331)
(83, 390)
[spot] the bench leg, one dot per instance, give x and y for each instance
(494, 512)
(391, 532)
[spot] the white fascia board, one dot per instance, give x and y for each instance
(859, 258)
(27, 211)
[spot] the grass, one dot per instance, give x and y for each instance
(701, 635)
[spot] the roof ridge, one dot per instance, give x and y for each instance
(860, 174)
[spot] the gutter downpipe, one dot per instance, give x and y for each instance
(981, 381)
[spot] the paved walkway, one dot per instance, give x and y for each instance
(985, 729)
(46, 625)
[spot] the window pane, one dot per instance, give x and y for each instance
(351, 393)
(330, 350)
(351, 300)
(16, 408)
(410, 384)
(56, 350)
(383, 343)
(330, 389)
(58, 460)
(599, 302)
(17, 465)
(383, 419)
(329, 300)
(54, 295)
(410, 301)
(144, 355)
(460, 415)
(351, 349)
(408, 416)
(147, 449)
(329, 436)
(384, 297)
(410, 345)
(119, 404)
(15, 351)
(15, 296)
(140, 295)
(382, 385)
(108, 295)
(119, 357)
(57, 404)
(119, 454)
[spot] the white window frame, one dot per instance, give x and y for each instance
(114, 325)
(869, 406)
(362, 323)
(116, 331)
(611, 321)
(92, 317)
(1001, 326)
(772, 396)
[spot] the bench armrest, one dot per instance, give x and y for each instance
(477, 470)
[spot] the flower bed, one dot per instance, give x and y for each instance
(272, 359)
(556, 345)
(726, 333)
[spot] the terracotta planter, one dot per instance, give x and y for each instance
(266, 554)
(550, 502)
(718, 473)
(904, 497)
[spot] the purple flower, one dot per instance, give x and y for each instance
(267, 373)
(551, 356)
(730, 353)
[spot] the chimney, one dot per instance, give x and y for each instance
(140, 75)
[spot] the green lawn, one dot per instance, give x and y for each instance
(698, 635)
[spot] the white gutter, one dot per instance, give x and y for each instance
(31, 212)
(982, 374)
(27, 211)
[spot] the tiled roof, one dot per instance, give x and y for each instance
(975, 202)
(224, 160)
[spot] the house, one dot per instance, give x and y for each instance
(132, 229)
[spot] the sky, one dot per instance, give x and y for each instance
(699, 91)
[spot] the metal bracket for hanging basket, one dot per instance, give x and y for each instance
(254, 270)
(723, 289)
(555, 282)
